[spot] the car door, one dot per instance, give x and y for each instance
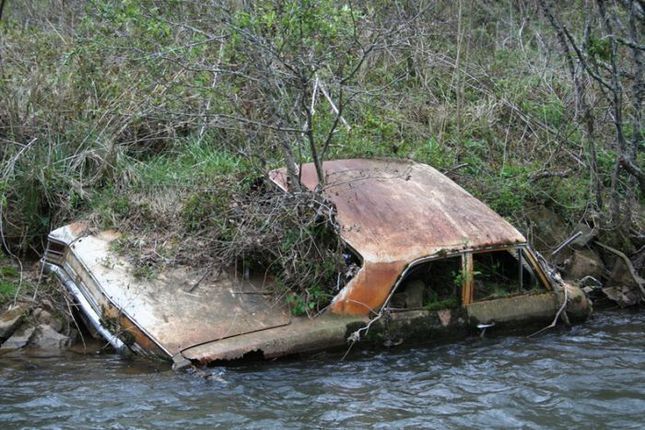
(506, 288)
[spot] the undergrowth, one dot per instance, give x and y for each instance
(288, 238)
(15, 284)
(135, 117)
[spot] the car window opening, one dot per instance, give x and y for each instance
(502, 274)
(431, 285)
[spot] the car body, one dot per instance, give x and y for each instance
(434, 262)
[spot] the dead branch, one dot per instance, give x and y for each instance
(566, 242)
(453, 169)
(583, 61)
(557, 315)
(550, 174)
(640, 282)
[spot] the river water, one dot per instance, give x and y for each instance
(591, 376)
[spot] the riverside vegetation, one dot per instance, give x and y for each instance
(158, 117)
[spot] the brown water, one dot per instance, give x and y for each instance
(592, 376)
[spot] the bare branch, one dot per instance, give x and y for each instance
(583, 61)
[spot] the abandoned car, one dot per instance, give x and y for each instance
(434, 262)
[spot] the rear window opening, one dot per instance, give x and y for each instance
(503, 273)
(353, 264)
(432, 285)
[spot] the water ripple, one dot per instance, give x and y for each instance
(589, 376)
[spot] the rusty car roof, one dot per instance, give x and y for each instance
(399, 210)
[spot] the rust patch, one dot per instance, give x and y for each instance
(367, 291)
(301, 336)
(578, 306)
(79, 228)
(109, 235)
(128, 332)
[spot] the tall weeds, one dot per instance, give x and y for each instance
(103, 104)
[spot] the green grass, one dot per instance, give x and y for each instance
(7, 291)
(9, 280)
(192, 164)
(438, 305)
(178, 177)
